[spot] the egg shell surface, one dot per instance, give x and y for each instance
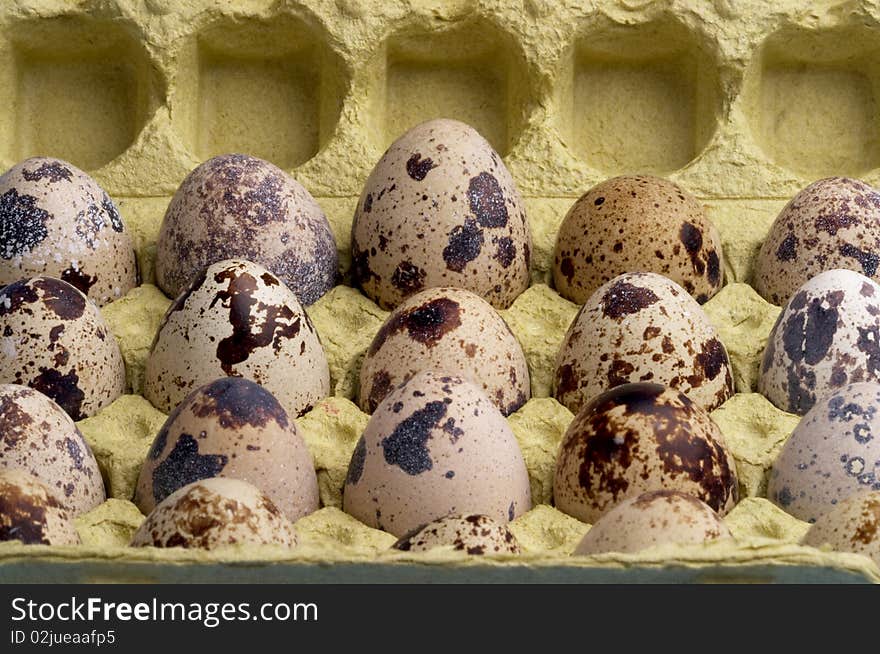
(474, 534)
(852, 526)
(31, 513)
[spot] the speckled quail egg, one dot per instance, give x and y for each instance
(54, 339)
(653, 518)
(474, 534)
(237, 206)
(827, 335)
(637, 224)
(833, 223)
(57, 221)
(31, 513)
(832, 453)
(636, 438)
(450, 329)
(38, 436)
(440, 209)
(642, 327)
(237, 319)
(210, 513)
(231, 427)
(435, 446)
(851, 526)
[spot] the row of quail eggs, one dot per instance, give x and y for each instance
(440, 236)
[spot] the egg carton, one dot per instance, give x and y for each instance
(742, 103)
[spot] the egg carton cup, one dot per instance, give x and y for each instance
(742, 103)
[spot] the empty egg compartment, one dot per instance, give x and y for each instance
(743, 104)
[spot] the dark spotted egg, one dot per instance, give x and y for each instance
(54, 339)
(636, 438)
(449, 329)
(653, 518)
(237, 206)
(473, 534)
(214, 512)
(38, 436)
(833, 453)
(435, 446)
(237, 319)
(637, 223)
(57, 221)
(832, 223)
(231, 427)
(31, 514)
(440, 209)
(828, 335)
(851, 526)
(642, 327)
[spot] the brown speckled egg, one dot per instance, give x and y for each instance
(38, 436)
(58, 222)
(636, 438)
(851, 526)
(435, 446)
(832, 453)
(237, 319)
(231, 427)
(213, 512)
(449, 329)
(237, 206)
(642, 327)
(55, 340)
(30, 513)
(440, 209)
(653, 518)
(828, 335)
(474, 534)
(632, 224)
(833, 223)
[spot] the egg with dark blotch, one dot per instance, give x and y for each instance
(832, 223)
(440, 209)
(235, 428)
(435, 446)
(642, 327)
(212, 513)
(55, 340)
(827, 336)
(472, 534)
(38, 436)
(31, 514)
(237, 319)
(851, 526)
(449, 329)
(238, 206)
(833, 453)
(651, 519)
(636, 438)
(637, 223)
(57, 221)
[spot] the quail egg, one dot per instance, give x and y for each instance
(54, 339)
(851, 526)
(57, 221)
(32, 514)
(637, 224)
(828, 335)
(833, 223)
(636, 438)
(237, 319)
(231, 427)
(435, 446)
(213, 512)
(653, 518)
(450, 329)
(440, 209)
(474, 534)
(642, 327)
(237, 206)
